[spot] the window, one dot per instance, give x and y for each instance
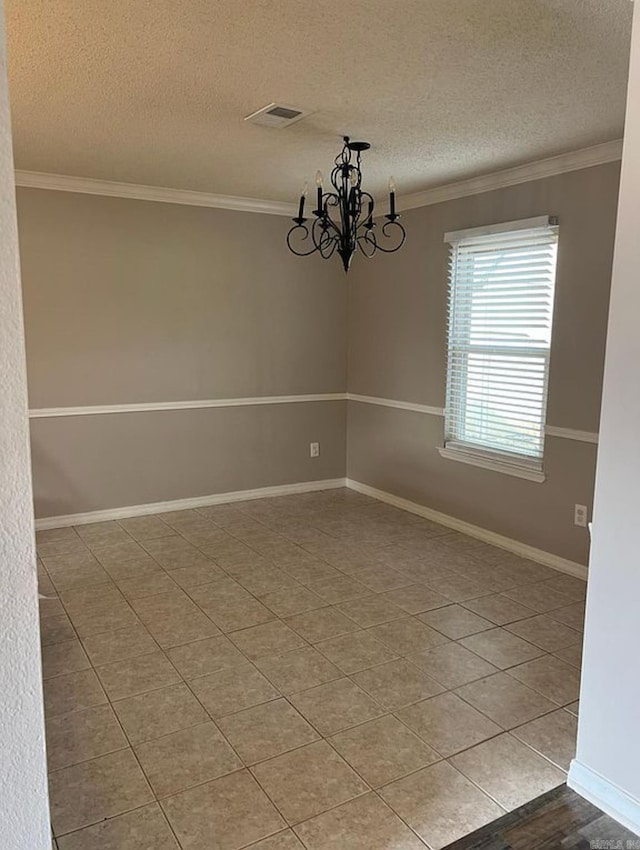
(501, 288)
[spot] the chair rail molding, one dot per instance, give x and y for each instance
(195, 404)
(250, 401)
(430, 410)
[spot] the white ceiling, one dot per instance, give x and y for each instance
(154, 91)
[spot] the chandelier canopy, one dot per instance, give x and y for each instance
(344, 220)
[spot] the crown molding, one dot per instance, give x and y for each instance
(573, 161)
(138, 192)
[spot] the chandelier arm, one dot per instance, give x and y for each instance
(331, 242)
(332, 200)
(369, 240)
(323, 239)
(402, 233)
(329, 249)
(365, 227)
(307, 234)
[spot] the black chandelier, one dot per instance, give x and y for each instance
(340, 222)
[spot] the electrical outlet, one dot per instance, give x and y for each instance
(314, 449)
(580, 515)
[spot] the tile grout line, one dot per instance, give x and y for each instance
(280, 619)
(134, 754)
(214, 720)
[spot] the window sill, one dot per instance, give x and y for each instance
(494, 463)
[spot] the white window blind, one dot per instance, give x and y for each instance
(501, 292)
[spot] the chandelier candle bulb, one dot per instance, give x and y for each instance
(319, 185)
(340, 226)
(303, 196)
(392, 196)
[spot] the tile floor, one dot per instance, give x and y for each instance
(317, 671)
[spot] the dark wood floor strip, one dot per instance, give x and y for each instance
(557, 820)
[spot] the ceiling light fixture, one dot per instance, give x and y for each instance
(344, 217)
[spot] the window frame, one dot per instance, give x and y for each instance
(477, 454)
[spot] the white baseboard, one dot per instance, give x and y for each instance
(515, 546)
(184, 504)
(564, 565)
(605, 795)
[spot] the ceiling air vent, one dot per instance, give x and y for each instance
(276, 115)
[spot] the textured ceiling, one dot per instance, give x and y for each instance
(154, 91)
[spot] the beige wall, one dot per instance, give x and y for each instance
(90, 463)
(134, 301)
(131, 301)
(397, 350)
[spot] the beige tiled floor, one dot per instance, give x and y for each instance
(314, 671)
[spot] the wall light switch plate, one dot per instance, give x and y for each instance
(314, 449)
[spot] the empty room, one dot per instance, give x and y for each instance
(319, 425)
